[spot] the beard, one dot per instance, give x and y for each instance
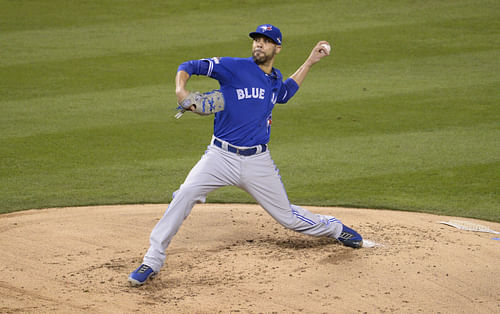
(260, 57)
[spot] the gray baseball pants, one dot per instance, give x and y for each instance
(257, 175)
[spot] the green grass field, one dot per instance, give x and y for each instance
(404, 115)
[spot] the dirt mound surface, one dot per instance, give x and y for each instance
(236, 258)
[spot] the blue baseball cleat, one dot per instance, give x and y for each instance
(139, 276)
(350, 238)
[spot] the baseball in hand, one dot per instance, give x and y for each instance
(326, 47)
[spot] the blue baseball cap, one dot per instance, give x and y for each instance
(269, 31)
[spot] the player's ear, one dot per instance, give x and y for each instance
(278, 49)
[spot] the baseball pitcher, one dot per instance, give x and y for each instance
(238, 153)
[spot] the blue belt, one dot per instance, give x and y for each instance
(239, 151)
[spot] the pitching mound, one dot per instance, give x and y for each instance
(236, 258)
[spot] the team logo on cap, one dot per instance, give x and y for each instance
(265, 28)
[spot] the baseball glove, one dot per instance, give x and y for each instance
(204, 103)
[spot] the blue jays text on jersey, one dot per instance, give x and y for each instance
(249, 96)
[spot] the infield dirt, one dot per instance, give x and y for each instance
(236, 258)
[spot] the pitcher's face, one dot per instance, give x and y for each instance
(264, 50)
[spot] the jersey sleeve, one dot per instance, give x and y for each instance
(288, 89)
(196, 67)
(213, 67)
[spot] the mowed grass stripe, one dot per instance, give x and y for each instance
(108, 73)
(456, 191)
(366, 114)
(159, 34)
(96, 29)
(461, 71)
(155, 36)
(130, 142)
(53, 114)
(357, 156)
(423, 111)
(434, 148)
(115, 181)
(128, 163)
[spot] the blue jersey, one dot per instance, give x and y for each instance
(249, 96)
